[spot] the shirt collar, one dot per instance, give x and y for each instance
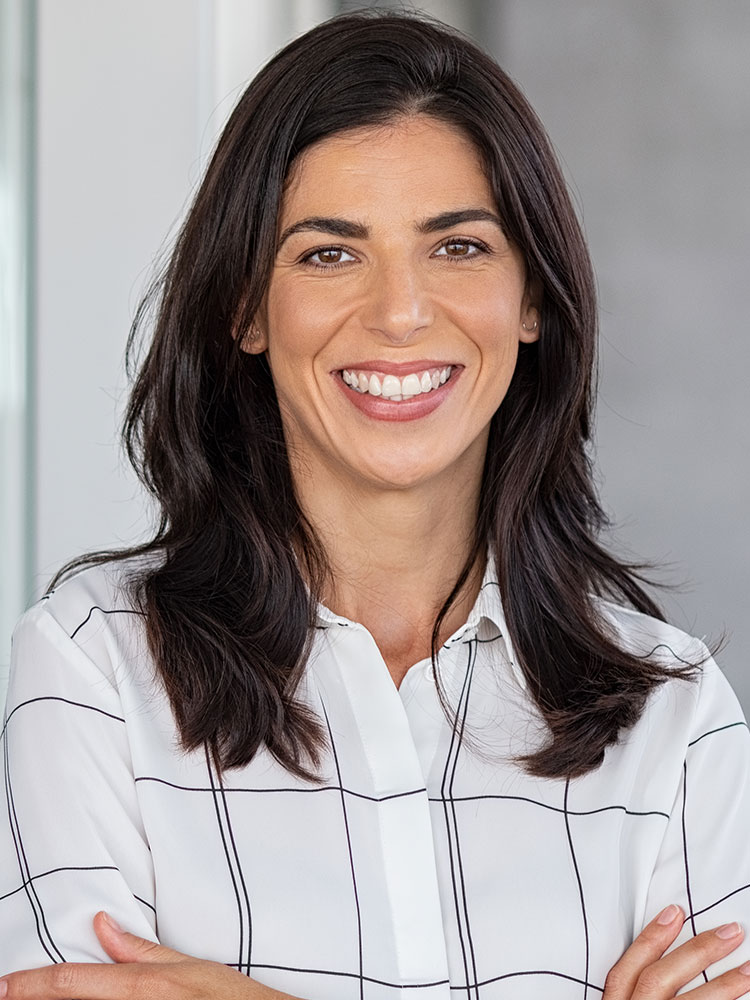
(488, 608)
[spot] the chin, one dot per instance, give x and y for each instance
(403, 476)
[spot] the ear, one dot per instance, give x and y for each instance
(529, 331)
(531, 312)
(251, 336)
(254, 340)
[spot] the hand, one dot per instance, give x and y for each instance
(144, 970)
(645, 973)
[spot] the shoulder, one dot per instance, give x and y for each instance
(645, 636)
(100, 590)
(696, 707)
(90, 627)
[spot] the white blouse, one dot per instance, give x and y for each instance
(426, 865)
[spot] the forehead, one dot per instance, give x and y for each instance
(415, 160)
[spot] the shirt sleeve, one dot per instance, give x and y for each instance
(704, 861)
(71, 835)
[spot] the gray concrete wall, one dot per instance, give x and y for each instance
(648, 105)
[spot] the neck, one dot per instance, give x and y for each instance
(395, 555)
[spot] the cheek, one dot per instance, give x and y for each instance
(299, 326)
(489, 311)
(495, 336)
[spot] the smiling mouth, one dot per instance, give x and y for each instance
(394, 389)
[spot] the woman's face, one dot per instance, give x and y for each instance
(395, 307)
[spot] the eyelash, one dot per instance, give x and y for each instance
(307, 260)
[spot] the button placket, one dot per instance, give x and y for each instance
(403, 813)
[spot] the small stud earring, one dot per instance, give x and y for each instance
(529, 329)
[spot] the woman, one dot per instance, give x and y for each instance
(361, 720)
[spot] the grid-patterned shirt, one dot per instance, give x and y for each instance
(426, 865)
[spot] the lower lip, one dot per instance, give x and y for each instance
(408, 409)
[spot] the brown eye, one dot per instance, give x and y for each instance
(329, 256)
(461, 249)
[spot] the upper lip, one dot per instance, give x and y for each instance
(397, 368)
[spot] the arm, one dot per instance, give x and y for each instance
(72, 841)
(71, 837)
(703, 863)
(142, 971)
(704, 860)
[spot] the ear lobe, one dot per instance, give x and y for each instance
(529, 332)
(254, 340)
(531, 319)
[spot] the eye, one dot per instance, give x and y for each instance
(328, 257)
(458, 249)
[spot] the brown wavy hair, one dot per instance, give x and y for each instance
(230, 602)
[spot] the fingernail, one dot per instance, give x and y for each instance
(745, 969)
(668, 915)
(728, 931)
(112, 922)
(4, 985)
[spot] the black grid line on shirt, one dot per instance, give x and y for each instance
(546, 973)
(45, 937)
(244, 916)
(665, 645)
(719, 729)
(451, 827)
(289, 790)
(734, 892)
(105, 611)
(73, 868)
(521, 974)
(688, 889)
(65, 701)
(340, 974)
(489, 796)
(240, 873)
(351, 853)
(584, 915)
(413, 791)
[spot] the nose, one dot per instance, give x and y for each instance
(398, 304)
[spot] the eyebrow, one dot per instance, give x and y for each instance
(348, 230)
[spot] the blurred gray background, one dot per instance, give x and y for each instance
(109, 113)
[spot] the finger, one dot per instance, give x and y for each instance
(86, 981)
(125, 947)
(728, 986)
(679, 967)
(647, 948)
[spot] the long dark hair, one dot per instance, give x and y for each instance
(230, 602)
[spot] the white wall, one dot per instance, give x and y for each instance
(16, 155)
(131, 94)
(118, 142)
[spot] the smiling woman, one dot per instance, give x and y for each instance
(369, 715)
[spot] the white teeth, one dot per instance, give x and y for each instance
(396, 389)
(410, 386)
(391, 386)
